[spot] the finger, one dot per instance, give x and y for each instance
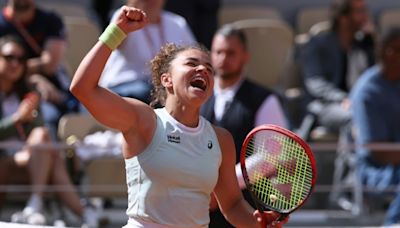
(271, 215)
(135, 15)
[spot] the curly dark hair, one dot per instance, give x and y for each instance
(161, 63)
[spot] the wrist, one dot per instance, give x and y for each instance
(112, 36)
(16, 119)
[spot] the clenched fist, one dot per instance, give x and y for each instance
(131, 19)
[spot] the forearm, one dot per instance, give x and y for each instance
(241, 215)
(50, 58)
(87, 76)
(318, 87)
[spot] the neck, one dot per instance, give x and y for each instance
(225, 82)
(184, 114)
(391, 74)
(5, 87)
(155, 18)
(346, 36)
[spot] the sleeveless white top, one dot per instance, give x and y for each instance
(170, 182)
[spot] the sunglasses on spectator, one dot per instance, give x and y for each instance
(14, 58)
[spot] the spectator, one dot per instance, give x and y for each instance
(21, 121)
(334, 59)
(237, 103)
(376, 111)
(202, 16)
(127, 71)
(46, 46)
(170, 174)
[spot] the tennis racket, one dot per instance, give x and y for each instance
(278, 168)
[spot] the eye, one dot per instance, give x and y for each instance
(210, 70)
(192, 64)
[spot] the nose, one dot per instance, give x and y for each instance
(202, 69)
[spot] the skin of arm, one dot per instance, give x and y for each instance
(228, 194)
(50, 58)
(123, 114)
(229, 197)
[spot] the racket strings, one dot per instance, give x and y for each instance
(280, 171)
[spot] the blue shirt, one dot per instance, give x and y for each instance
(376, 109)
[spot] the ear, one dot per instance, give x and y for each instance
(166, 80)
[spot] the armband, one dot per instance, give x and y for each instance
(112, 36)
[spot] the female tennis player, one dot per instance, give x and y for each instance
(174, 158)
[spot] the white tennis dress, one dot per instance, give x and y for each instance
(170, 182)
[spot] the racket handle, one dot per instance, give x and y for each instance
(263, 224)
(274, 223)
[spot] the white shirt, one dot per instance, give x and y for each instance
(270, 111)
(10, 105)
(130, 61)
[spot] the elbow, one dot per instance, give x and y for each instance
(76, 90)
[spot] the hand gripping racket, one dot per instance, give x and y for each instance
(278, 168)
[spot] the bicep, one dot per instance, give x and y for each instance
(227, 189)
(117, 112)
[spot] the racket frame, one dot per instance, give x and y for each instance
(260, 205)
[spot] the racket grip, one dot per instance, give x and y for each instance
(263, 224)
(281, 217)
(272, 225)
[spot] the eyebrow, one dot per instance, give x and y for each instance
(197, 60)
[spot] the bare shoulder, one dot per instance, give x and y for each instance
(222, 133)
(143, 116)
(225, 140)
(140, 134)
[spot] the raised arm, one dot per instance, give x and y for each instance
(107, 107)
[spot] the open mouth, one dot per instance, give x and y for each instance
(199, 82)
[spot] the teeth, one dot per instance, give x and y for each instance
(199, 79)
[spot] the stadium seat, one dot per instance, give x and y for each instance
(389, 18)
(103, 177)
(229, 13)
(66, 8)
(270, 44)
(82, 34)
(308, 17)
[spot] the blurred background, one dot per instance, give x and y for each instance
(325, 208)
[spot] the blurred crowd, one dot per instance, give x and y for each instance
(347, 66)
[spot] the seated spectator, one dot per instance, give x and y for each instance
(237, 103)
(43, 33)
(127, 71)
(333, 60)
(376, 110)
(21, 122)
